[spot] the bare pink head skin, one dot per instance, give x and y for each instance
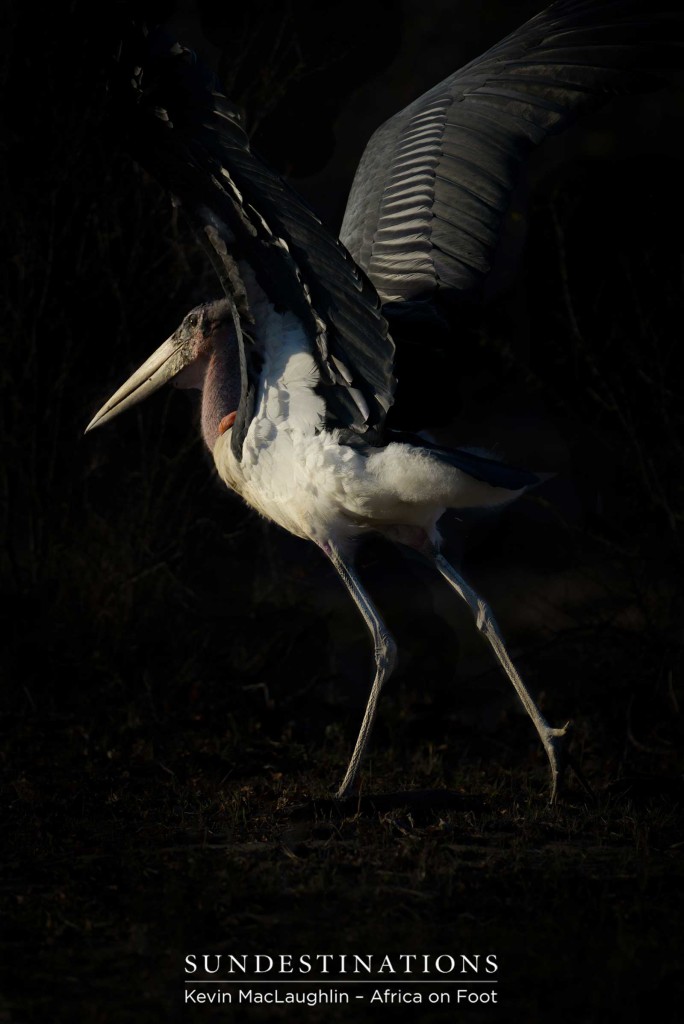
(203, 353)
(208, 338)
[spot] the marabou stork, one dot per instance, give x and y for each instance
(295, 363)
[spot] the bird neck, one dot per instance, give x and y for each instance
(221, 390)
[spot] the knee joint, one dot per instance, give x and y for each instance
(386, 654)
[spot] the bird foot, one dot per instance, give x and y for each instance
(556, 743)
(348, 788)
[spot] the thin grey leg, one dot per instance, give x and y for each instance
(553, 739)
(385, 660)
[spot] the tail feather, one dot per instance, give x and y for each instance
(476, 464)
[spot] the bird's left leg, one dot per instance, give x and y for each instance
(385, 659)
(554, 740)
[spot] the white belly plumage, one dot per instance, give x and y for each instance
(322, 490)
(298, 474)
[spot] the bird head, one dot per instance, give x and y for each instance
(206, 337)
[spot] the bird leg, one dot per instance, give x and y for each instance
(554, 740)
(385, 660)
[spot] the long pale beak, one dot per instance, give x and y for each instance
(169, 359)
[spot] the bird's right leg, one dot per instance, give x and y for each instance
(554, 740)
(385, 659)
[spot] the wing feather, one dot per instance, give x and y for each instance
(448, 162)
(243, 210)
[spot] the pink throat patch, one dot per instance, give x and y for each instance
(227, 422)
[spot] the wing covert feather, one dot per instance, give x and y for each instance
(181, 128)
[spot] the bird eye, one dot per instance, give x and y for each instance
(193, 320)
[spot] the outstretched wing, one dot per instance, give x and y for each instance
(434, 182)
(180, 127)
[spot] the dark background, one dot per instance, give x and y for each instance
(177, 673)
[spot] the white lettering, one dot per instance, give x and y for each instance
(449, 959)
(239, 962)
(393, 996)
(473, 966)
(207, 957)
(463, 995)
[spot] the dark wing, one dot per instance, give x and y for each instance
(426, 205)
(181, 128)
